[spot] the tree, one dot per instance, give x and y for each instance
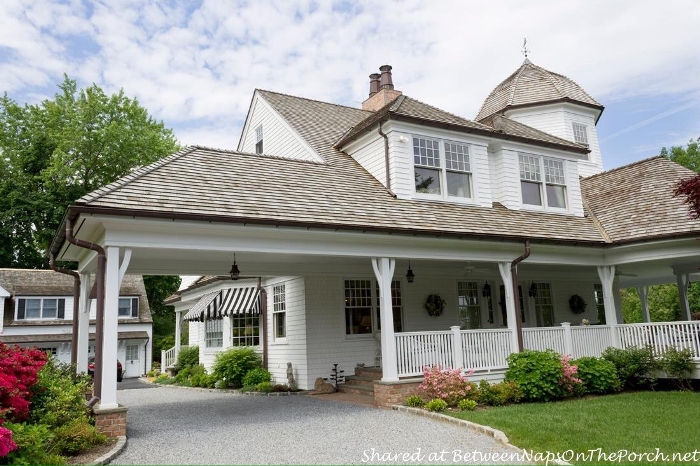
(688, 157)
(54, 152)
(157, 289)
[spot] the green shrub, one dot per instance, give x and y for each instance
(414, 401)
(232, 365)
(466, 405)
(76, 437)
(246, 388)
(164, 379)
(188, 357)
(679, 365)
(265, 387)
(203, 380)
(219, 383)
(499, 394)
(537, 373)
(634, 366)
(256, 376)
(598, 375)
(59, 395)
(33, 442)
(280, 387)
(436, 405)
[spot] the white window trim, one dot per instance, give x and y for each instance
(374, 296)
(543, 185)
(259, 137)
(41, 308)
(275, 338)
(206, 338)
(343, 322)
(239, 338)
(131, 307)
(444, 196)
(584, 126)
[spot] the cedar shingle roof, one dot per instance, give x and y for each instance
(530, 85)
(636, 202)
(66, 337)
(404, 107)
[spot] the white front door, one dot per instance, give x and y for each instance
(132, 365)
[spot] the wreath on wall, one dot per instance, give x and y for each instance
(577, 304)
(434, 305)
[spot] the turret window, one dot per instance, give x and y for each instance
(431, 175)
(580, 133)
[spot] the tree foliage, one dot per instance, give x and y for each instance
(54, 152)
(688, 188)
(664, 304)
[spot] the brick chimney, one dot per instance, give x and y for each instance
(381, 90)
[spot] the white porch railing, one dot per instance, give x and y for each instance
(488, 349)
(168, 358)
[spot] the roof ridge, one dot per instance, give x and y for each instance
(134, 175)
(264, 156)
(486, 127)
(622, 167)
(314, 100)
(550, 78)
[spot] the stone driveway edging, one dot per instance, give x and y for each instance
(113, 453)
(490, 431)
(227, 390)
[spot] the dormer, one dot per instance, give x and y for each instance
(551, 103)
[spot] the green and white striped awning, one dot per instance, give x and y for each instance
(223, 303)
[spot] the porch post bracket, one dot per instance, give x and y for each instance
(124, 265)
(683, 281)
(384, 271)
(607, 279)
(506, 277)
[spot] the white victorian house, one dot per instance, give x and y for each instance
(346, 221)
(36, 310)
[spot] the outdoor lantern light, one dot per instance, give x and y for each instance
(409, 274)
(533, 290)
(235, 271)
(486, 292)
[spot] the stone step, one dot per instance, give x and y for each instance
(375, 373)
(360, 380)
(356, 389)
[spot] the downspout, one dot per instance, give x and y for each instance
(76, 307)
(145, 356)
(100, 282)
(263, 313)
(386, 156)
(516, 294)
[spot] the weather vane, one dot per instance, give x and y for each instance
(525, 49)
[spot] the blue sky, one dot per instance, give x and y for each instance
(195, 64)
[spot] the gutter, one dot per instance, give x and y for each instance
(76, 308)
(386, 156)
(263, 313)
(516, 294)
(100, 282)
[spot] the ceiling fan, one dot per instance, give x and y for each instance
(470, 268)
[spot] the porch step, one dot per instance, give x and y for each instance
(373, 373)
(361, 380)
(356, 389)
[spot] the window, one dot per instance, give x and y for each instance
(395, 305)
(128, 307)
(580, 133)
(531, 169)
(279, 311)
(599, 302)
(259, 140)
(543, 305)
(429, 171)
(41, 308)
(245, 329)
(358, 307)
(132, 352)
(468, 303)
(214, 333)
(52, 350)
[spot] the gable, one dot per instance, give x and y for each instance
(278, 137)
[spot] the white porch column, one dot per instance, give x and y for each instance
(683, 280)
(110, 337)
(643, 292)
(507, 277)
(83, 323)
(178, 333)
(3, 295)
(607, 277)
(384, 271)
(457, 354)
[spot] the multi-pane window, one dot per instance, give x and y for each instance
(543, 305)
(279, 311)
(214, 333)
(468, 303)
(552, 192)
(599, 302)
(396, 306)
(132, 352)
(259, 140)
(128, 307)
(40, 308)
(580, 133)
(52, 350)
(358, 307)
(429, 171)
(245, 329)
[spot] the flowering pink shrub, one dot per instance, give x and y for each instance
(569, 380)
(6, 443)
(450, 385)
(18, 373)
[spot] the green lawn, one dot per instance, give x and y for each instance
(637, 422)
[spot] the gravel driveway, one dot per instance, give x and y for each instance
(169, 425)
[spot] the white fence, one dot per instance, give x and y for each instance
(168, 358)
(488, 349)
